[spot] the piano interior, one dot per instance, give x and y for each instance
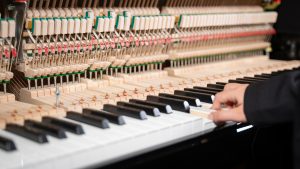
(128, 83)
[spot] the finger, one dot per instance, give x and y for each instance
(235, 114)
(223, 98)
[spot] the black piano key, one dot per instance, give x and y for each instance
(193, 101)
(207, 88)
(204, 97)
(66, 125)
(163, 108)
(296, 68)
(267, 74)
(176, 104)
(46, 128)
(240, 81)
(256, 78)
(262, 76)
(126, 111)
(221, 83)
(217, 86)
(250, 80)
(279, 72)
(7, 144)
(113, 118)
(201, 91)
(27, 132)
(150, 110)
(88, 119)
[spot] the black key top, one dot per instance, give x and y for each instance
(221, 83)
(176, 104)
(126, 111)
(66, 125)
(150, 110)
(113, 118)
(267, 74)
(207, 88)
(193, 101)
(7, 144)
(296, 68)
(250, 80)
(163, 108)
(88, 119)
(46, 128)
(204, 97)
(240, 81)
(256, 78)
(200, 91)
(262, 76)
(27, 132)
(217, 86)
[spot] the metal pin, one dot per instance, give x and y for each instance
(35, 83)
(73, 78)
(42, 82)
(48, 81)
(4, 87)
(29, 86)
(101, 74)
(67, 79)
(90, 75)
(57, 94)
(111, 71)
(116, 72)
(55, 78)
(78, 78)
(60, 78)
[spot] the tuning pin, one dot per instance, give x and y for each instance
(91, 75)
(55, 80)
(78, 78)
(101, 74)
(29, 84)
(96, 75)
(48, 79)
(42, 82)
(116, 72)
(67, 76)
(4, 87)
(61, 80)
(73, 78)
(35, 83)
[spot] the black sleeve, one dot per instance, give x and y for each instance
(273, 101)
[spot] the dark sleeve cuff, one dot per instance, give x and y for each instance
(272, 101)
(251, 104)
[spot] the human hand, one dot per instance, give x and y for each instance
(229, 104)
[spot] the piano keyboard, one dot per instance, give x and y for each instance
(118, 131)
(90, 83)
